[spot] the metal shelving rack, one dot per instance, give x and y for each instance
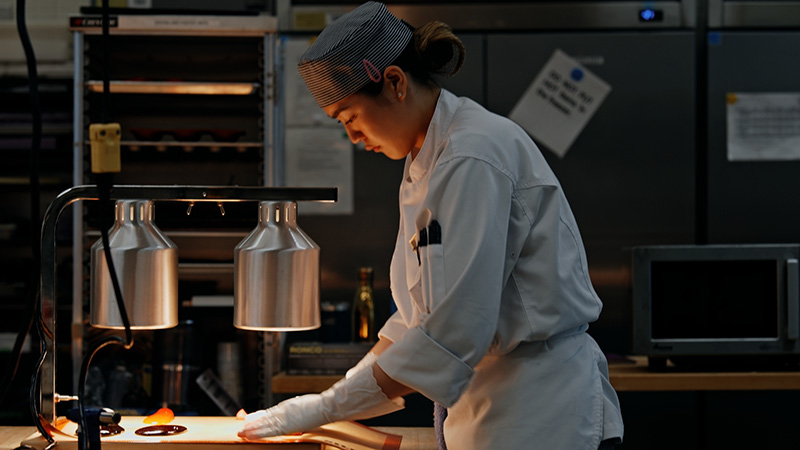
(171, 155)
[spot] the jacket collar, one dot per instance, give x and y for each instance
(435, 137)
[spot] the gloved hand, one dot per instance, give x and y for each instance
(366, 362)
(351, 398)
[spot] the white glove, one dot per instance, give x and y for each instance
(367, 361)
(353, 398)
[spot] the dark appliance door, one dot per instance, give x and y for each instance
(750, 201)
(630, 174)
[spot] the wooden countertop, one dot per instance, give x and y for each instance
(636, 376)
(11, 437)
(628, 374)
(631, 375)
(413, 438)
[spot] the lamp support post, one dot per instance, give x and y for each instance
(47, 375)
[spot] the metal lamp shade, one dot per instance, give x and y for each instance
(276, 274)
(146, 263)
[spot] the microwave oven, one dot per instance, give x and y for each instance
(715, 305)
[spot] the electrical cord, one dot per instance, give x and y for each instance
(104, 184)
(16, 352)
(34, 389)
(36, 136)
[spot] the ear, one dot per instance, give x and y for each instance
(396, 82)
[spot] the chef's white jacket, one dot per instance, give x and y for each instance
(492, 322)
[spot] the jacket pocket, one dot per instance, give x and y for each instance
(433, 276)
(416, 291)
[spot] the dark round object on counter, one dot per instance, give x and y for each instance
(161, 430)
(111, 429)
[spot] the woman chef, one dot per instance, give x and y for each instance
(489, 273)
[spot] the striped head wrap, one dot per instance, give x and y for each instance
(352, 51)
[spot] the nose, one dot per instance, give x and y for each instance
(354, 135)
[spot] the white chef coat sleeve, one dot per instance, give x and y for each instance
(471, 199)
(394, 328)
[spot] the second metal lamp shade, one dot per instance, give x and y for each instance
(276, 274)
(146, 263)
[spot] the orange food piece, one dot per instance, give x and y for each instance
(240, 415)
(161, 417)
(60, 422)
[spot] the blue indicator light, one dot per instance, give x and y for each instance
(576, 74)
(651, 15)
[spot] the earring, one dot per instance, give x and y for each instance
(399, 94)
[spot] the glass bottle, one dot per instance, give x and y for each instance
(363, 311)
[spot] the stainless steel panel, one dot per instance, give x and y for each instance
(513, 15)
(750, 201)
(753, 14)
(629, 175)
(470, 81)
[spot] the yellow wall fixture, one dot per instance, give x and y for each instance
(105, 139)
(146, 263)
(276, 271)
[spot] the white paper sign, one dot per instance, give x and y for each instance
(763, 127)
(321, 157)
(557, 105)
(318, 151)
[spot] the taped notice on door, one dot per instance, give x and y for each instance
(559, 103)
(763, 127)
(321, 157)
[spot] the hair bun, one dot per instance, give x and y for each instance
(439, 48)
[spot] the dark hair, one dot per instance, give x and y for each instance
(433, 52)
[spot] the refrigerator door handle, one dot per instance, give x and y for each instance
(793, 298)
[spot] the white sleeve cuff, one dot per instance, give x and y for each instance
(420, 363)
(394, 328)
